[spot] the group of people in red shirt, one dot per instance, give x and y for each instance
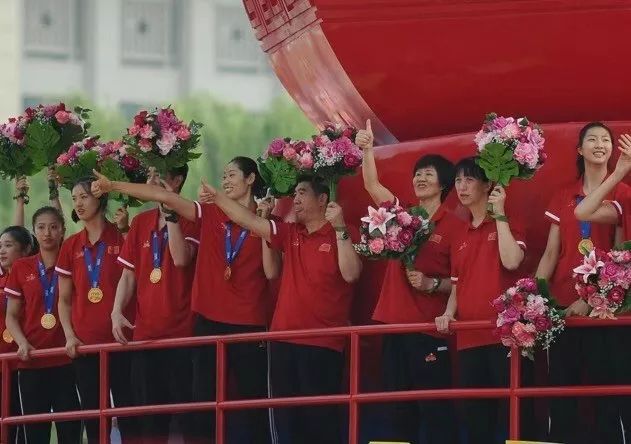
(198, 268)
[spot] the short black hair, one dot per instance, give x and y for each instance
(86, 184)
(444, 169)
(22, 236)
(468, 167)
(248, 166)
(49, 210)
(580, 160)
(317, 185)
(179, 171)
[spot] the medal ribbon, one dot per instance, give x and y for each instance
(231, 253)
(158, 245)
(48, 286)
(94, 268)
(586, 227)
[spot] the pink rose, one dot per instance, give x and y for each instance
(306, 161)
(145, 145)
(416, 223)
(543, 323)
(505, 330)
(528, 284)
(597, 302)
(376, 245)
(518, 299)
(146, 132)
(590, 290)
(166, 142)
(289, 153)
(276, 147)
(51, 110)
(527, 155)
(62, 117)
(348, 132)
(183, 133)
(73, 150)
(406, 236)
(321, 140)
(90, 142)
(610, 271)
(404, 218)
(353, 159)
(510, 315)
(130, 163)
(133, 131)
(534, 308)
(63, 159)
(524, 334)
(616, 295)
(299, 147)
(498, 304)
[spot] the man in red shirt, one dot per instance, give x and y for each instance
(319, 268)
(484, 263)
(158, 269)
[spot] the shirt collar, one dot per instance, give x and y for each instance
(109, 230)
(324, 230)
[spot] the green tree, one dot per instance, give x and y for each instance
(229, 130)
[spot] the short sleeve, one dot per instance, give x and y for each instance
(64, 261)
(280, 232)
(129, 252)
(621, 199)
(453, 250)
(518, 230)
(191, 231)
(553, 210)
(13, 287)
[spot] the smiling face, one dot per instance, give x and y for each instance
(84, 203)
(10, 250)
(49, 231)
(596, 146)
(426, 183)
(234, 183)
(308, 205)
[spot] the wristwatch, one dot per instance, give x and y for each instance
(171, 216)
(435, 285)
(342, 233)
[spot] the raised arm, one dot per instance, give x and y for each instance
(21, 190)
(511, 253)
(146, 192)
(54, 197)
(377, 191)
(272, 259)
(593, 207)
(348, 260)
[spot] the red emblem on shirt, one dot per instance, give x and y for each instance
(325, 248)
(436, 238)
(30, 277)
(492, 236)
(146, 244)
(113, 249)
(78, 254)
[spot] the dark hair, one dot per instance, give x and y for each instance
(317, 185)
(444, 169)
(469, 168)
(22, 236)
(580, 160)
(86, 184)
(248, 166)
(49, 210)
(179, 171)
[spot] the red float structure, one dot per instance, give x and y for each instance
(425, 72)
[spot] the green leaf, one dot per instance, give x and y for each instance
(40, 139)
(279, 174)
(498, 164)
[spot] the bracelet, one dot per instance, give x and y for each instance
(435, 285)
(171, 216)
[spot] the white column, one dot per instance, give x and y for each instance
(11, 56)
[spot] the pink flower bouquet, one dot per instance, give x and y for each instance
(34, 140)
(110, 159)
(280, 163)
(161, 140)
(392, 232)
(509, 148)
(527, 316)
(603, 281)
(331, 155)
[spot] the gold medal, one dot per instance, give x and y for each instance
(585, 246)
(227, 273)
(48, 321)
(155, 276)
(95, 295)
(7, 337)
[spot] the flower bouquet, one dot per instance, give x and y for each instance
(392, 232)
(509, 148)
(331, 155)
(34, 140)
(527, 316)
(603, 281)
(110, 159)
(160, 140)
(280, 163)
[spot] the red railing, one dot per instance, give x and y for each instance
(353, 399)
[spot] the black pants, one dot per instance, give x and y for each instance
(50, 388)
(16, 433)
(487, 419)
(303, 370)
(161, 377)
(411, 362)
(87, 373)
(247, 362)
(590, 356)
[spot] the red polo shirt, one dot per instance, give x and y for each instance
(480, 277)
(622, 202)
(163, 309)
(561, 212)
(399, 302)
(24, 284)
(312, 292)
(4, 346)
(244, 298)
(92, 322)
